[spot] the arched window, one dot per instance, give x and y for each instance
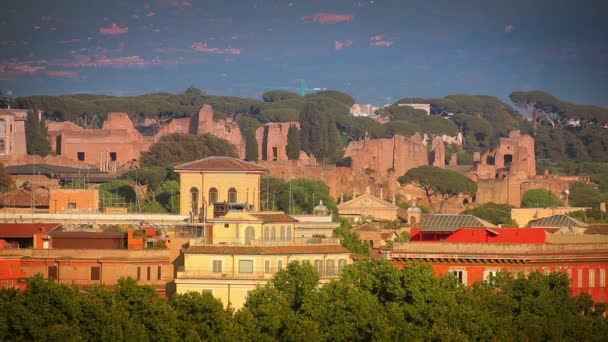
(282, 233)
(330, 267)
(194, 201)
(273, 234)
(249, 235)
(266, 233)
(288, 233)
(212, 195)
(232, 198)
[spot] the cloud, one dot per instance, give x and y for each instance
(328, 18)
(203, 47)
(509, 28)
(14, 67)
(341, 44)
(150, 14)
(114, 29)
(380, 41)
(61, 73)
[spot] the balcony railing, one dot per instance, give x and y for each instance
(266, 242)
(257, 273)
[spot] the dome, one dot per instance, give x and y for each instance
(320, 209)
(414, 210)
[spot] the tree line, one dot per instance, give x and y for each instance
(371, 300)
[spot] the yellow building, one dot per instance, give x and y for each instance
(250, 228)
(212, 186)
(231, 272)
(368, 206)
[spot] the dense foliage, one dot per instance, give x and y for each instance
(294, 144)
(493, 213)
(179, 148)
(540, 198)
(36, 134)
(298, 196)
(563, 131)
(372, 300)
(439, 184)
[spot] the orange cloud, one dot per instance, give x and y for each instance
(61, 73)
(203, 47)
(328, 18)
(151, 14)
(114, 29)
(341, 44)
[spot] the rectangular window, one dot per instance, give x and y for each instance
(95, 273)
(81, 156)
(602, 277)
(488, 276)
(138, 273)
(267, 268)
(113, 156)
(461, 276)
(279, 265)
(226, 225)
(341, 265)
(579, 282)
(71, 205)
(591, 278)
(209, 291)
(159, 272)
(319, 266)
(245, 266)
(217, 266)
(149, 272)
(53, 272)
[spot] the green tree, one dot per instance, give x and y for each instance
(179, 148)
(493, 213)
(351, 240)
(279, 95)
(6, 182)
(540, 198)
(168, 196)
(318, 130)
(439, 183)
(296, 283)
(203, 316)
(293, 143)
(583, 195)
(251, 147)
(36, 135)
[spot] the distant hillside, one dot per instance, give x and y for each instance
(563, 131)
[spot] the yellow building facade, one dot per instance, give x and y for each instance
(231, 272)
(214, 180)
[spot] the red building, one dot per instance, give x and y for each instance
(473, 254)
(11, 274)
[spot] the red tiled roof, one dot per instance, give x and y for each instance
(218, 163)
(262, 250)
(25, 230)
(87, 235)
(275, 217)
(22, 198)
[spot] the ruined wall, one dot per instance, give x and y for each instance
(226, 129)
(438, 149)
(514, 154)
(397, 154)
(272, 140)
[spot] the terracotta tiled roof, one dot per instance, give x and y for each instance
(220, 164)
(25, 230)
(263, 250)
(275, 217)
(22, 198)
(88, 235)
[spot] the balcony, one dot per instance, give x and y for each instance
(258, 273)
(267, 242)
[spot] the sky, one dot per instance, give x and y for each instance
(378, 51)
